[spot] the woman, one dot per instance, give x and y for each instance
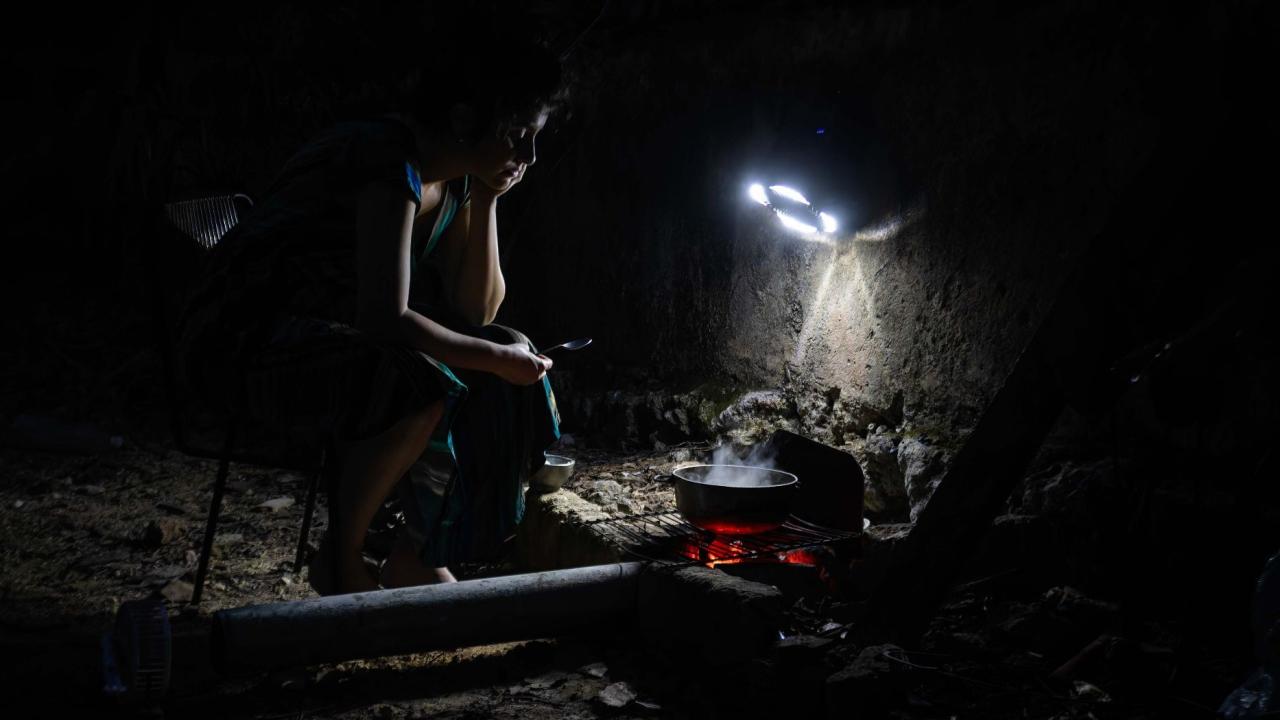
(357, 301)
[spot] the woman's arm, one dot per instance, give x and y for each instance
(384, 228)
(473, 277)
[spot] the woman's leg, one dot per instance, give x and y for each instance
(404, 568)
(369, 469)
(498, 433)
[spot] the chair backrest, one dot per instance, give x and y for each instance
(186, 231)
(205, 220)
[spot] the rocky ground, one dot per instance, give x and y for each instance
(81, 533)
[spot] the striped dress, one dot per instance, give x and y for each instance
(268, 330)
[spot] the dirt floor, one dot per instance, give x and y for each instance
(79, 534)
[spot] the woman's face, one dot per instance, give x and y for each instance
(501, 160)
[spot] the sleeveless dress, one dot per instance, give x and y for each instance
(268, 330)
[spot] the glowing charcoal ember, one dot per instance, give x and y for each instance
(801, 557)
(719, 550)
(723, 527)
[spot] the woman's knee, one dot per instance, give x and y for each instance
(413, 431)
(429, 415)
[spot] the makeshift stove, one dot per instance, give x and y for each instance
(667, 539)
(801, 560)
(825, 525)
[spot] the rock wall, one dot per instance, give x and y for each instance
(971, 154)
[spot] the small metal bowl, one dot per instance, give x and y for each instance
(552, 475)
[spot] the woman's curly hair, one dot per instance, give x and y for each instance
(504, 78)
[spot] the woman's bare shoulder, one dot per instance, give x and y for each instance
(432, 194)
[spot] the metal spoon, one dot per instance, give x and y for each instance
(571, 345)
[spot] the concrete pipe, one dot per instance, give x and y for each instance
(429, 617)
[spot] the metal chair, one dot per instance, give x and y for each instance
(187, 230)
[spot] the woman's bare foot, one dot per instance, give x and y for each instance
(404, 569)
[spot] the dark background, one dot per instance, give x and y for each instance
(1009, 124)
(1015, 138)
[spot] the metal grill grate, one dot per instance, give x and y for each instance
(665, 537)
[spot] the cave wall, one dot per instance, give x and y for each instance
(972, 154)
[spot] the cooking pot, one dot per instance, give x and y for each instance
(734, 499)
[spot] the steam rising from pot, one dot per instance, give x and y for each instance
(760, 456)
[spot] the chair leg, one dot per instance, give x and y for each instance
(215, 508)
(309, 511)
(332, 474)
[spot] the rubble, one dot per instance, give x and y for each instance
(177, 591)
(868, 684)
(992, 639)
(922, 466)
(276, 504)
(618, 695)
(608, 494)
(163, 531)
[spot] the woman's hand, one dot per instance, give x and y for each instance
(518, 366)
(486, 189)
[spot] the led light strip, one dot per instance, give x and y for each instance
(757, 192)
